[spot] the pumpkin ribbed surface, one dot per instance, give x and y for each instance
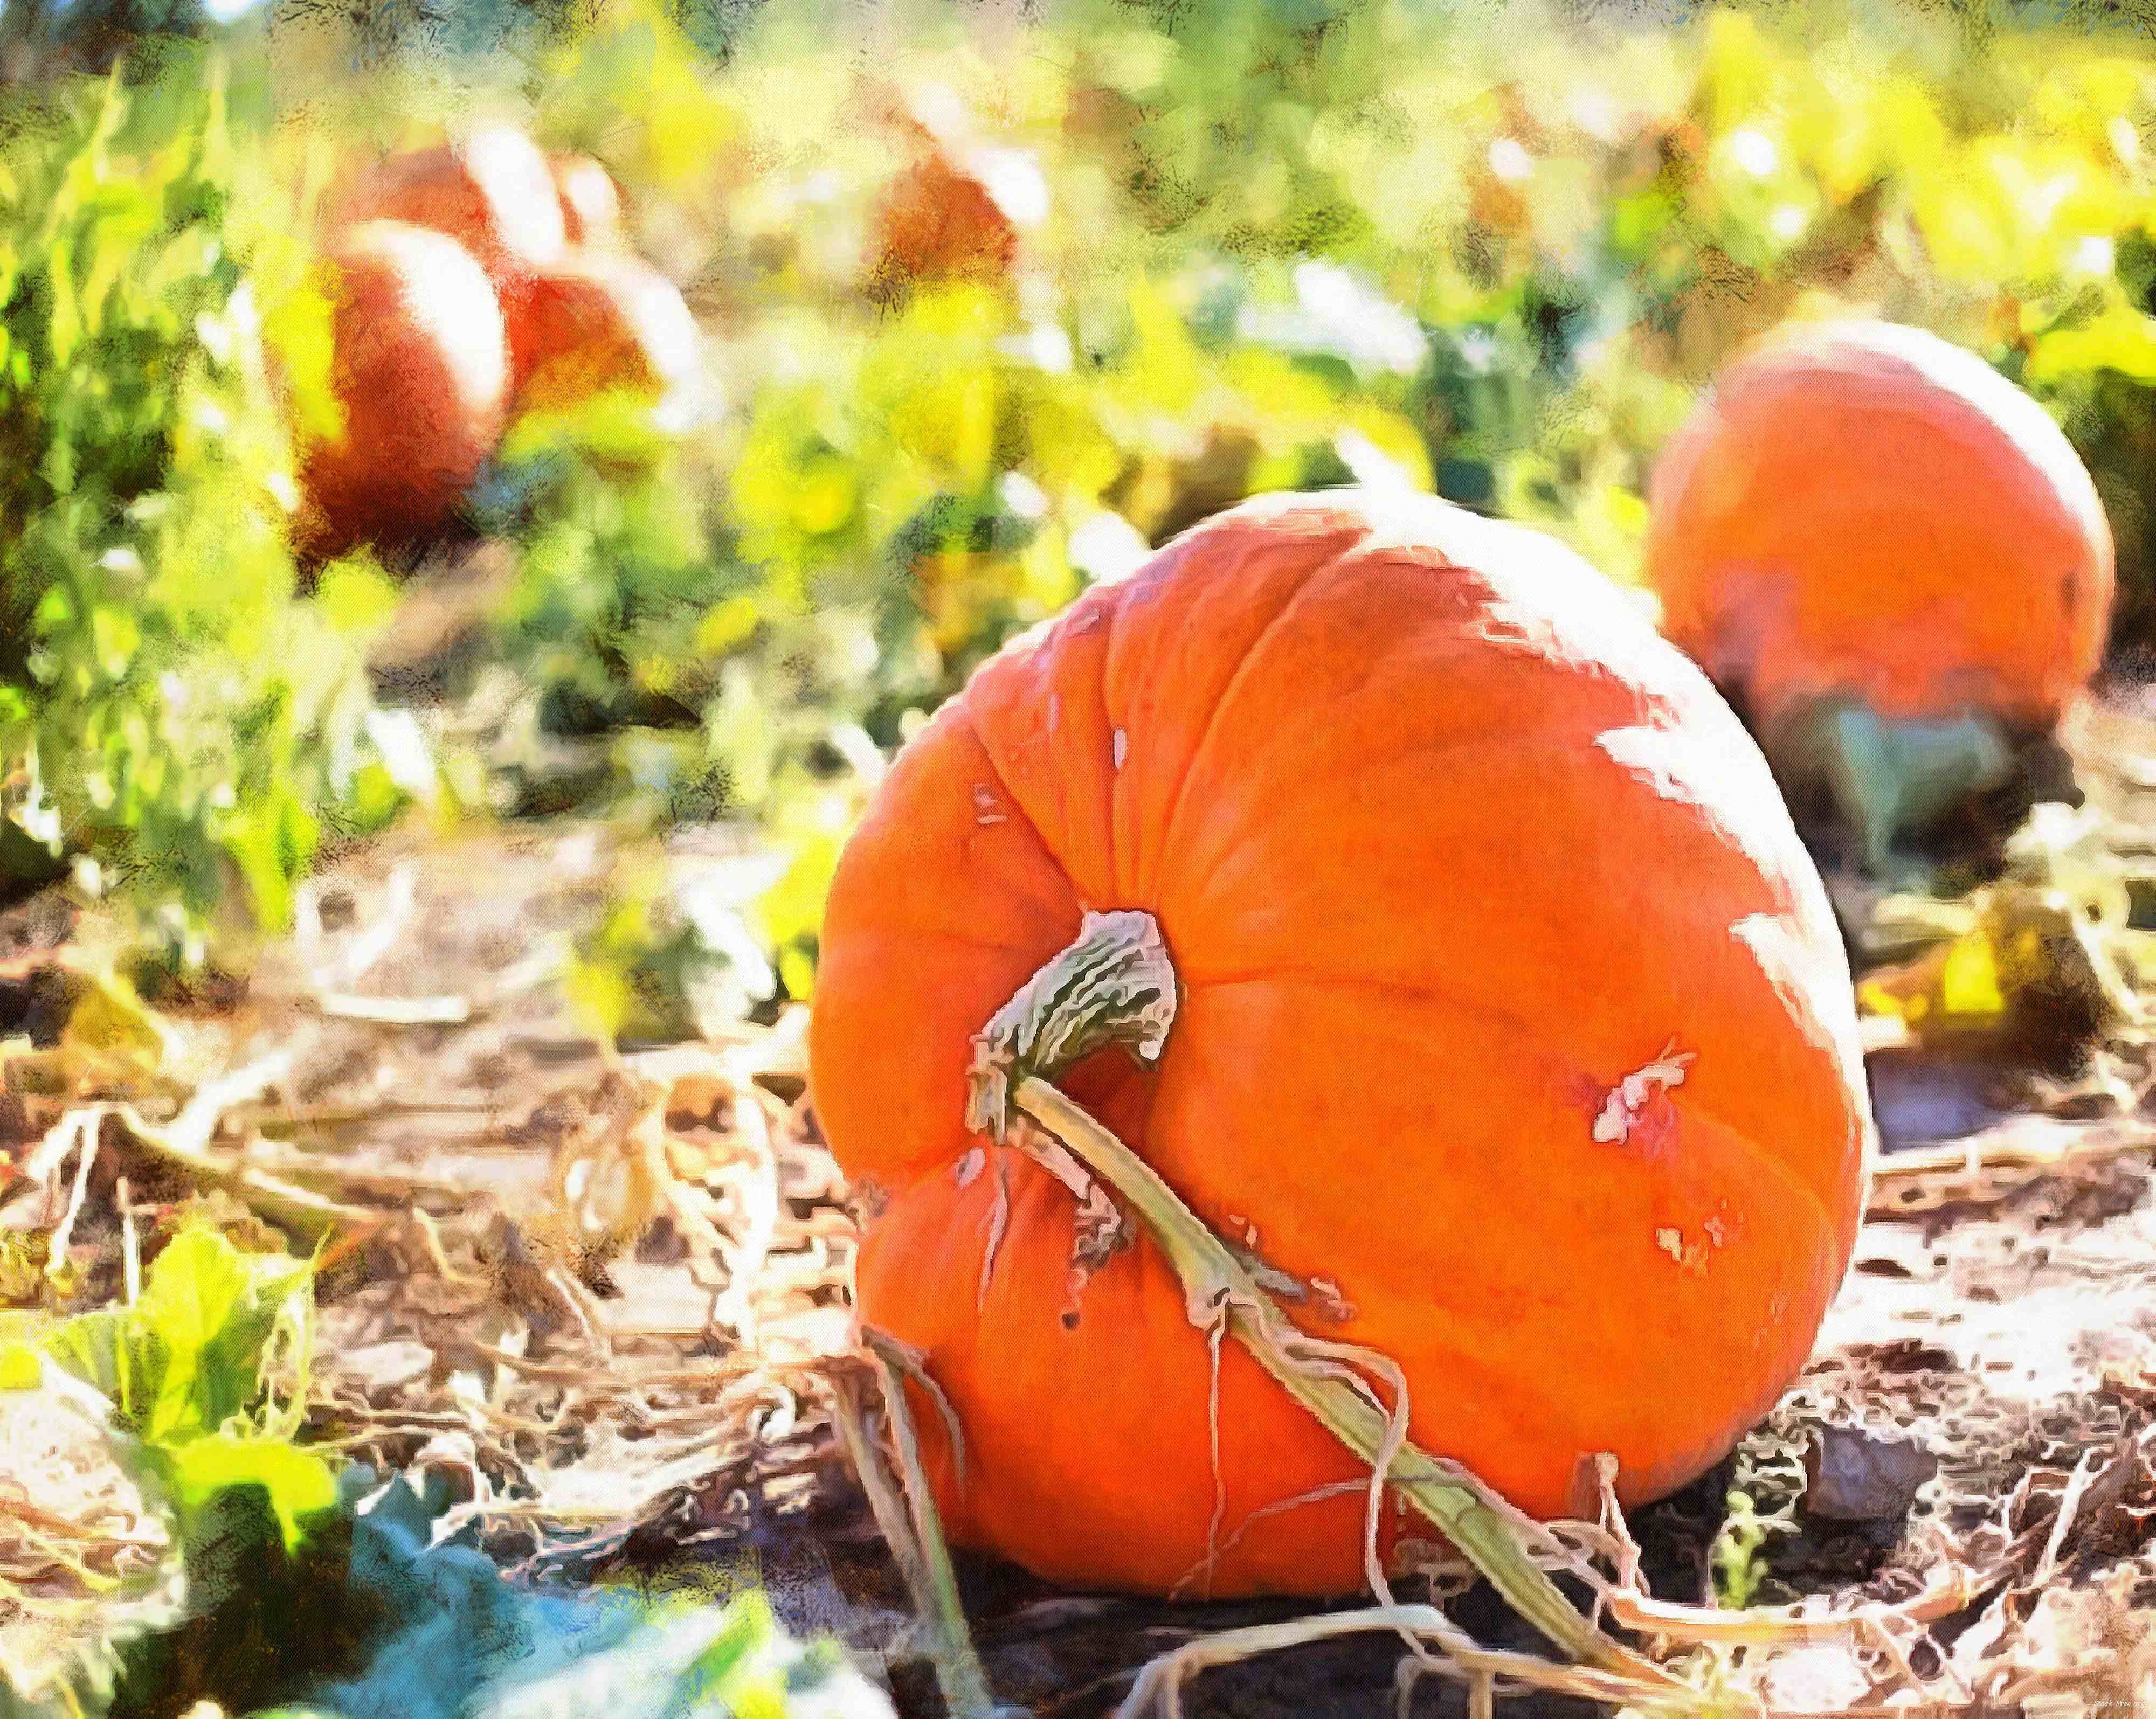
(1511, 1017)
(1860, 509)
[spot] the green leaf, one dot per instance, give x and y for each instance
(2122, 339)
(191, 1300)
(356, 596)
(19, 1370)
(187, 1357)
(299, 1482)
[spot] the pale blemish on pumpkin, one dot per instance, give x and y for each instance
(998, 1221)
(986, 809)
(1690, 1257)
(1122, 748)
(1627, 1103)
(1716, 1234)
(1331, 1302)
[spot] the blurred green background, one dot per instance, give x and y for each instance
(1491, 250)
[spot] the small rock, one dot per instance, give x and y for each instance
(1857, 1476)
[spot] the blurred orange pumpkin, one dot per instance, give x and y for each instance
(596, 320)
(1860, 510)
(938, 222)
(492, 191)
(1512, 1022)
(421, 369)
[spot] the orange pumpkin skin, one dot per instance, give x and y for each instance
(597, 321)
(1445, 843)
(938, 221)
(493, 191)
(421, 367)
(1859, 509)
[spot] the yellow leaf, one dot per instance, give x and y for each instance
(1969, 981)
(2120, 339)
(726, 624)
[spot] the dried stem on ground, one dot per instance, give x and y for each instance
(905, 1510)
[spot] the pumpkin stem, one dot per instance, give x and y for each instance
(1217, 1285)
(1115, 985)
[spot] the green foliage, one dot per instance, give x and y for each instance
(168, 707)
(188, 1369)
(376, 1619)
(308, 1587)
(1738, 1564)
(188, 1375)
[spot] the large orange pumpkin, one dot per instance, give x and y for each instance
(421, 368)
(1860, 511)
(1512, 1021)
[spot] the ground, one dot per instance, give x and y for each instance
(1981, 1411)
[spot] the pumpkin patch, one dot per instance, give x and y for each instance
(1396, 1020)
(568, 314)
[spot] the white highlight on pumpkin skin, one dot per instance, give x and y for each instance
(1122, 747)
(1630, 1097)
(985, 809)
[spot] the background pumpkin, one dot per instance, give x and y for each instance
(1860, 507)
(591, 201)
(492, 191)
(421, 372)
(597, 320)
(1510, 1008)
(1860, 515)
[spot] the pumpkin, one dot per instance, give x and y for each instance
(1858, 510)
(591, 201)
(938, 222)
(421, 370)
(597, 320)
(1513, 1037)
(493, 191)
